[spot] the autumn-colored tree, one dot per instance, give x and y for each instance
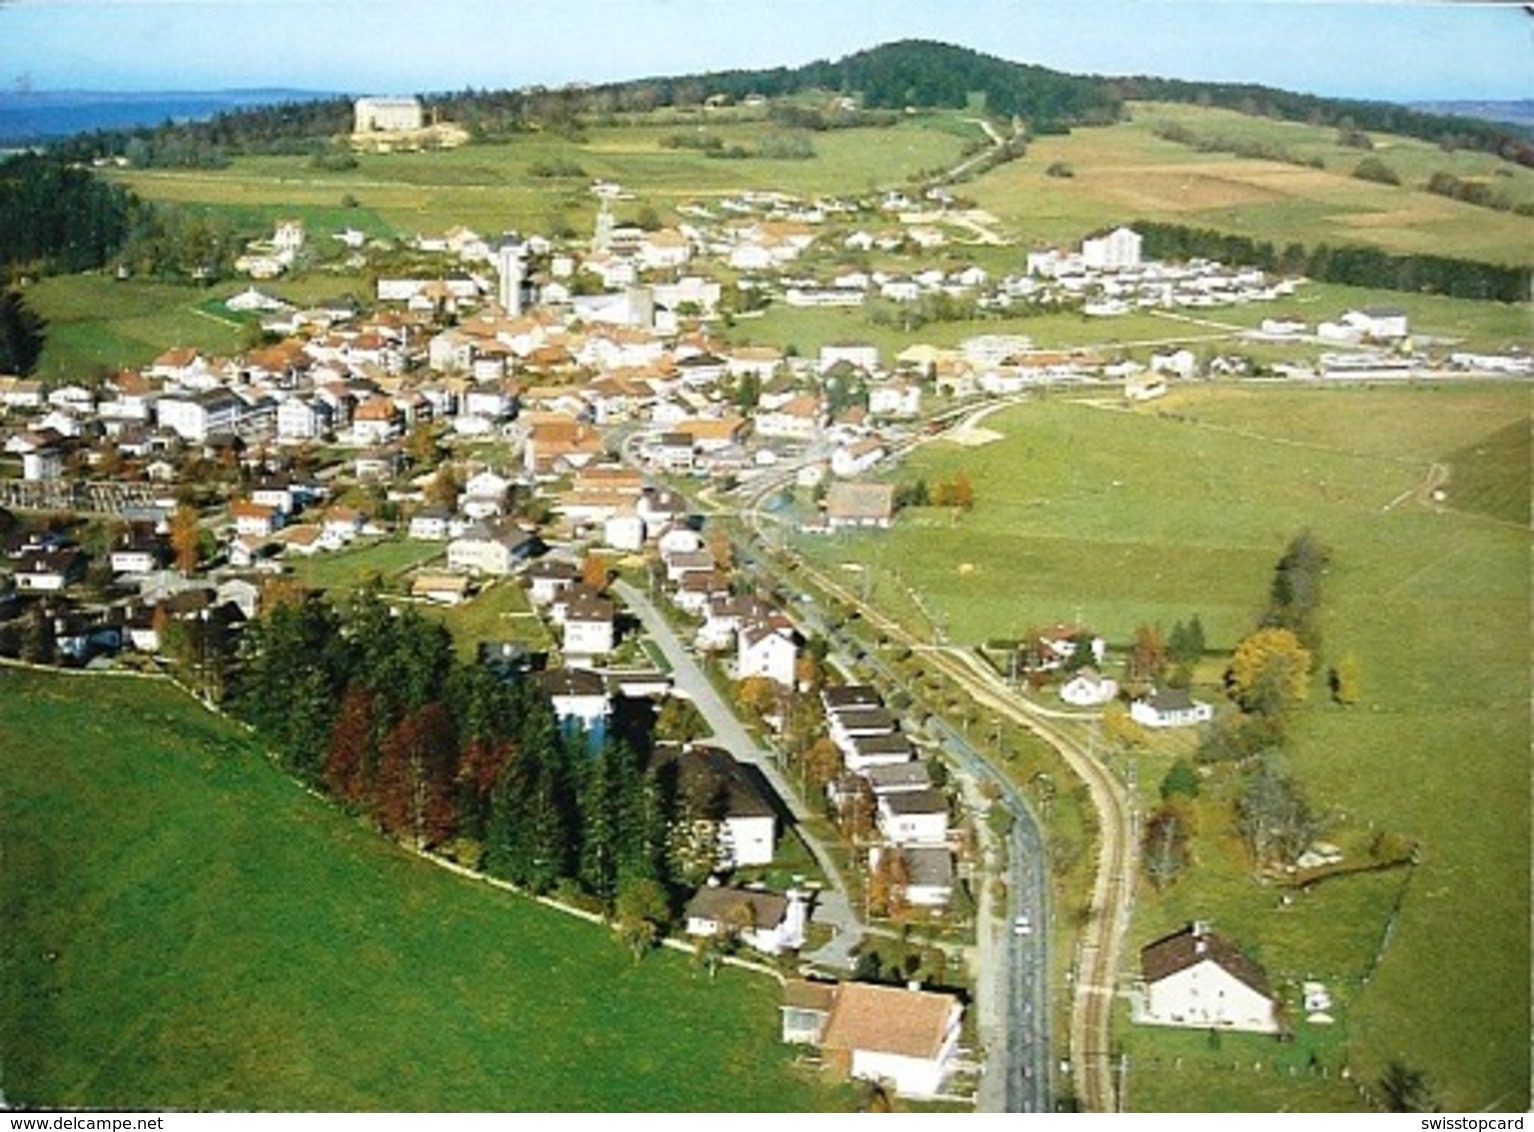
(963, 492)
(1269, 671)
(185, 537)
(413, 791)
(757, 694)
(821, 763)
(352, 746)
(421, 445)
(594, 571)
(443, 488)
(1147, 655)
(721, 547)
(887, 882)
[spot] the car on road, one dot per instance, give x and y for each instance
(1022, 925)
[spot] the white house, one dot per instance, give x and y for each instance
(547, 578)
(1112, 251)
(1198, 979)
(745, 823)
(897, 399)
(928, 874)
(1170, 707)
(579, 696)
(763, 921)
(588, 627)
(763, 649)
(1088, 688)
(914, 817)
(489, 549)
(387, 114)
(906, 1038)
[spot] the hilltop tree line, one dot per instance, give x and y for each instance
(1350, 264)
(372, 708)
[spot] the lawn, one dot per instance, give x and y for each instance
(499, 612)
(387, 560)
(186, 928)
(1116, 517)
(97, 324)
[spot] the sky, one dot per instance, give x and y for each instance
(1397, 50)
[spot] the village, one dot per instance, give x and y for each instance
(553, 416)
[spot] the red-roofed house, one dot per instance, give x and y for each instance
(906, 1038)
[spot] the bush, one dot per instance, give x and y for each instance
(1373, 169)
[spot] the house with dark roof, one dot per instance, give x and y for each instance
(1199, 979)
(763, 921)
(723, 794)
(1170, 707)
(906, 1038)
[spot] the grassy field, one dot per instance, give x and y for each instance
(388, 560)
(97, 324)
(494, 187)
(1125, 172)
(186, 928)
(1148, 516)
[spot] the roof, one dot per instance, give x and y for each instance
(740, 796)
(928, 801)
(1196, 944)
(1171, 699)
(860, 501)
(850, 695)
(572, 682)
(893, 776)
(720, 904)
(928, 866)
(801, 994)
(891, 1020)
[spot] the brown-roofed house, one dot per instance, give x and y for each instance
(860, 505)
(877, 1033)
(1198, 978)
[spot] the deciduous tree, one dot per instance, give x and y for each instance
(1269, 671)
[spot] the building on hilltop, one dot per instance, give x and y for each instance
(384, 115)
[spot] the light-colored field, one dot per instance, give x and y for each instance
(1120, 518)
(1124, 172)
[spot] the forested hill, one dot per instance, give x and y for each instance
(919, 73)
(891, 77)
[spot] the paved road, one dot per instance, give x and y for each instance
(832, 906)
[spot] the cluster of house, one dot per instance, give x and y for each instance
(1087, 686)
(886, 796)
(1109, 276)
(44, 566)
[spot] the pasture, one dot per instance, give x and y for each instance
(186, 928)
(520, 183)
(1117, 517)
(1125, 172)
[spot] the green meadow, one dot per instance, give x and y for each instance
(1120, 517)
(186, 928)
(508, 185)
